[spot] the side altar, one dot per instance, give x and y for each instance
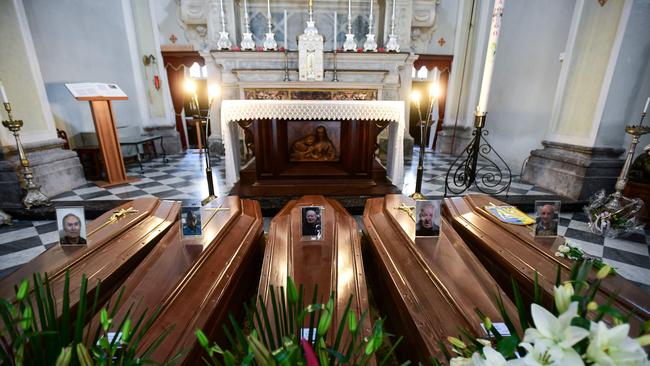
(312, 146)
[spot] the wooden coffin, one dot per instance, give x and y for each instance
(334, 262)
(114, 249)
(428, 287)
(197, 281)
(512, 251)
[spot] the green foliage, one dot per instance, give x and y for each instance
(37, 331)
(277, 337)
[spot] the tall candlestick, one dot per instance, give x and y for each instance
(392, 18)
(310, 11)
(268, 13)
(495, 29)
(6, 100)
(286, 46)
(335, 30)
(349, 16)
(645, 109)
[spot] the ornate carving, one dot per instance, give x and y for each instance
(309, 94)
(315, 146)
(310, 54)
(423, 24)
(194, 11)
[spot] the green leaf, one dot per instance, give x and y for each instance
(352, 322)
(292, 292)
(103, 318)
(22, 290)
(64, 357)
(507, 346)
(26, 322)
(202, 338)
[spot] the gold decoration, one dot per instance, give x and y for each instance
(410, 210)
(115, 217)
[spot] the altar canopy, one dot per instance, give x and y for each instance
(242, 110)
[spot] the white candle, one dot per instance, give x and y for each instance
(335, 27)
(6, 100)
(393, 16)
(644, 108)
(286, 46)
(495, 29)
(349, 16)
(246, 12)
(268, 12)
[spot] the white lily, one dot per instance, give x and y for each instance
(614, 346)
(562, 295)
(554, 337)
(542, 354)
(460, 361)
(492, 358)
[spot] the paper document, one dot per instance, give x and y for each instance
(95, 90)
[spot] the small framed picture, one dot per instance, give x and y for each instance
(71, 222)
(191, 221)
(427, 218)
(312, 228)
(547, 217)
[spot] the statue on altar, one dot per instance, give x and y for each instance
(314, 147)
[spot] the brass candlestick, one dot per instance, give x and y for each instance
(636, 132)
(33, 197)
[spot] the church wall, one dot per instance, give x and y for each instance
(83, 41)
(526, 71)
(166, 13)
(21, 76)
(446, 14)
(630, 85)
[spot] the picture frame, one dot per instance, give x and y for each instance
(547, 218)
(427, 218)
(71, 223)
(314, 141)
(191, 221)
(311, 227)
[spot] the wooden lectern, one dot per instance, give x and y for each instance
(107, 138)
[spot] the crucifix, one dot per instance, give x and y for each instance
(115, 217)
(408, 209)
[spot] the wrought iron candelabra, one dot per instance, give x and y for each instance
(465, 172)
(424, 124)
(33, 196)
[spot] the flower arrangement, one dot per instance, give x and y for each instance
(613, 215)
(575, 333)
(572, 252)
(279, 339)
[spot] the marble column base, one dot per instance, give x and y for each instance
(460, 140)
(171, 138)
(55, 169)
(215, 144)
(573, 171)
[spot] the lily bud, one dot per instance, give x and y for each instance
(592, 306)
(603, 272)
(457, 342)
(562, 295)
(644, 340)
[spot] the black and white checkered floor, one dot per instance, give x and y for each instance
(183, 178)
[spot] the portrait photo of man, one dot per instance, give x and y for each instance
(427, 218)
(72, 225)
(311, 222)
(191, 221)
(548, 216)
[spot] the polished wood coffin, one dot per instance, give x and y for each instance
(512, 251)
(429, 287)
(334, 262)
(197, 281)
(114, 249)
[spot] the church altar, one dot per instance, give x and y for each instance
(392, 112)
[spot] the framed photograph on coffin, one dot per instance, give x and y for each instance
(312, 226)
(547, 217)
(427, 218)
(311, 141)
(71, 222)
(191, 221)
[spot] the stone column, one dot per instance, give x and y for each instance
(599, 78)
(55, 169)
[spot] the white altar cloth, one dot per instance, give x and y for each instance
(380, 110)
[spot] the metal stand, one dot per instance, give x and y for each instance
(465, 172)
(33, 196)
(208, 163)
(417, 195)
